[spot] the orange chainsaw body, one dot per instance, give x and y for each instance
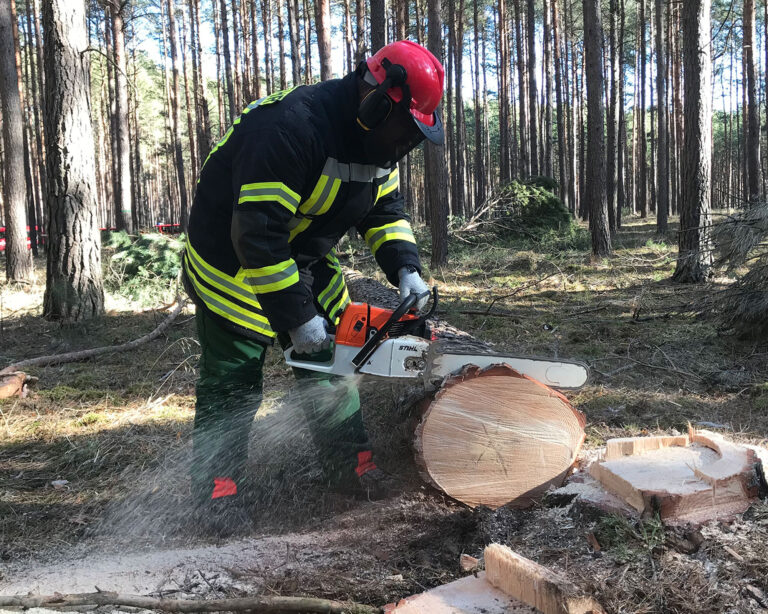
(359, 319)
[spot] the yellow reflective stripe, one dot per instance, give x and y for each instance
(390, 185)
(229, 310)
(399, 230)
(273, 277)
(331, 197)
(333, 287)
(226, 283)
(269, 191)
(345, 300)
(300, 227)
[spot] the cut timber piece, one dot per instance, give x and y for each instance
(15, 384)
(706, 479)
(470, 595)
(540, 587)
(494, 437)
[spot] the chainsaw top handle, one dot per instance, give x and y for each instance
(405, 305)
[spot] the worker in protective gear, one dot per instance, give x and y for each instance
(291, 176)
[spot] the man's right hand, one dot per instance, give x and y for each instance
(311, 336)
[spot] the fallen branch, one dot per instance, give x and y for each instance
(56, 359)
(253, 604)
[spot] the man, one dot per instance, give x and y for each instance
(291, 176)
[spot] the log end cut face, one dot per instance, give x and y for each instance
(493, 437)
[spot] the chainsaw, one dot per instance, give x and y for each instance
(399, 344)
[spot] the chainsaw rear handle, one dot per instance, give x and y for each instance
(407, 303)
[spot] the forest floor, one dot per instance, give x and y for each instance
(117, 429)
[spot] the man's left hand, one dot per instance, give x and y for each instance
(412, 283)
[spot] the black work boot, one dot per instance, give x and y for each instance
(377, 484)
(224, 512)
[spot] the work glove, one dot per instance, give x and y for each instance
(311, 336)
(412, 283)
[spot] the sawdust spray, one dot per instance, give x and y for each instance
(285, 475)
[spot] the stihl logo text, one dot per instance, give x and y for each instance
(408, 348)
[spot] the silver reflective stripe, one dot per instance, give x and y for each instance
(265, 280)
(364, 173)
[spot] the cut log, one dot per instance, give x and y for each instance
(494, 437)
(688, 479)
(488, 437)
(533, 584)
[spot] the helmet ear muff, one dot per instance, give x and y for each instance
(375, 108)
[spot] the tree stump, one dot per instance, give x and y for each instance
(494, 437)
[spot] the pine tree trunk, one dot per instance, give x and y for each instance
(175, 132)
(533, 115)
(612, 156)
(595, 179)
(360, 30)
(123, 189)
(641, 169)
(18, 263)
(293, 35)
(522, 94)
(189, 108)
(459, 178)
(236, 73)
(695, 256)
(204, 137)
(224, 32)
(504, 150)
(323, 29)
(479, 171)
(378, 25)
(436, 176)
(255, 51)
(281, 44)
(548, 87)
(752, 136)
(662, 159)
(73, 284)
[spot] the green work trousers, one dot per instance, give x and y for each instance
(229, 392)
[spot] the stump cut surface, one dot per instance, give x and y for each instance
(494, 437)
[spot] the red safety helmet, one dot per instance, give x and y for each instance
(424, 78)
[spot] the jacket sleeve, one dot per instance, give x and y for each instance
(268, 172)
(387, 230)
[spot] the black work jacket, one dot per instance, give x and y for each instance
(274, 197)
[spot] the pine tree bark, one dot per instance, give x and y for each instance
(281, 44)
(662, 158)
(611, 176)
(174, 103)
(436, 175)
(378, 24)
(522, 95)
(548, 87)
(459, 178)
(533, 114)
(642, 178)
(752, 128)
(505, 171)
(695, 256)
(360, 30)
(561, 119)
(293, 31)
(595, 176)
(204, 137)
(18, 262)
(255, 52)
(123, 178)
(224, 32)
(73, 284)
(323, 29)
